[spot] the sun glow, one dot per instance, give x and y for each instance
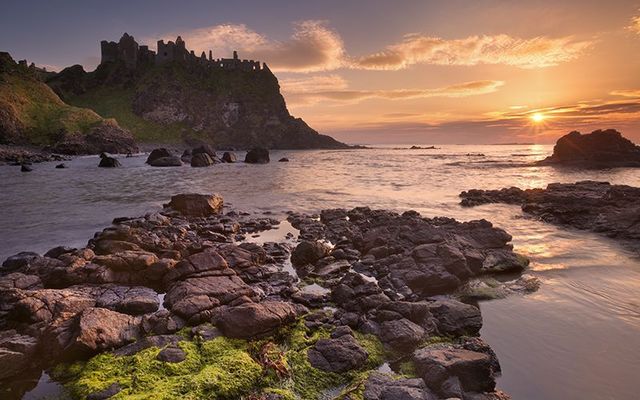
(538, 117)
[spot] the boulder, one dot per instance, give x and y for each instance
(379, 386)
(401, 334)
(147, 342)
(157, 154)
(339, 354)
(474, 370)
(17, 353)
(598, 149)
(309, 253)
(25, 168)
(172, 161)
(283, 159)
(201, 160)
(109, 162)
(251, 320)
(171, 354)
(257, 155)
(456, 318)
(204, 149)
(229, 157)
(61, 166)
(197, 205)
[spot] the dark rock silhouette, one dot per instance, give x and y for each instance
(25, 168)
(283, 159)
(171, 161)
(158, 153)
(61, 166)
(598, 149)
(257, 155)
(109, 162)
(229, 157)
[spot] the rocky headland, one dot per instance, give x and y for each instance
(363, 304)
(611, 210)
(174, 96)
(598, 149)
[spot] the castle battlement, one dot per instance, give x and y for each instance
(128, 51)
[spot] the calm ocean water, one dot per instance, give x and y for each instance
(578, 337)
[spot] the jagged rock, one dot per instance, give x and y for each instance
(229, 157)
(201, 160)
(308, 253)
(598, 149)
(193, 204)
(456, 318)
(157, 154)
(172, 161)
(251, 320)
(257, 155)
(340, 354)
(129, 260)
(17, 353)
(171, 354)
(474, 370)
(109, 162)
(379, 386)
(401, 334)
(608, 209)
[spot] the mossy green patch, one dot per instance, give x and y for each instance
(43, 116)
(116, 102)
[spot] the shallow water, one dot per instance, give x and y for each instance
(578, 337)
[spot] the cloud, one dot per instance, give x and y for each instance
(626, 93)
(334, 89)
(538, 52)
(312, 47)
(635, 24)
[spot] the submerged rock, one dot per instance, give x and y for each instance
(109, 162)
(598, 149)
(157, 154)
(25, 168)
(171, 161)
(201, 160)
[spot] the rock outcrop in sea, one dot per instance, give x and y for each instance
(611, 210)
(598, 149)
(180, 304)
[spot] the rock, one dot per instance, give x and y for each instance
(194, 204)
(129, 260)
(107, 136)
(25, 168)
(338, 355)
(17, 353)
(171, 354)
(172, 161)
(456, 318)
(229, 157)
(147, 342)
(92, 331)
(309, 253)
(201, 160)
(257, 155)
(136, 300)
(401, 335)
(109, 162)
(186, 156)
(598, 149)
(474, 370)
(252, 320)
(607, 209)
(107, 393)
(61, 166)
(379, 386)
(20, 260)
(157, 154)
(204, 149)
(283, 159)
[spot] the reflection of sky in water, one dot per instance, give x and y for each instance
(577, 338)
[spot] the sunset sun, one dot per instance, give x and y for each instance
(538, 118)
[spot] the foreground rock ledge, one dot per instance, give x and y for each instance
(183, 288)
(611, 210)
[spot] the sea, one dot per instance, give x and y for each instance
(576, 338)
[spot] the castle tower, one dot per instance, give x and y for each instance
(128, 50)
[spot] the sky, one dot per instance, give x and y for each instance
(371, 71)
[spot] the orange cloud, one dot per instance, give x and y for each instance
(333, 88)
(312, 47)
(635, 24)
(538, 52)
(626, 93)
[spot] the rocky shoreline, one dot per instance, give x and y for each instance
(366, 305)
(611, 210)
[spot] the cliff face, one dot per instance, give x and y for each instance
(179, 101)
(32, 114)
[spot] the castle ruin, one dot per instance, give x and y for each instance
(133, 55)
